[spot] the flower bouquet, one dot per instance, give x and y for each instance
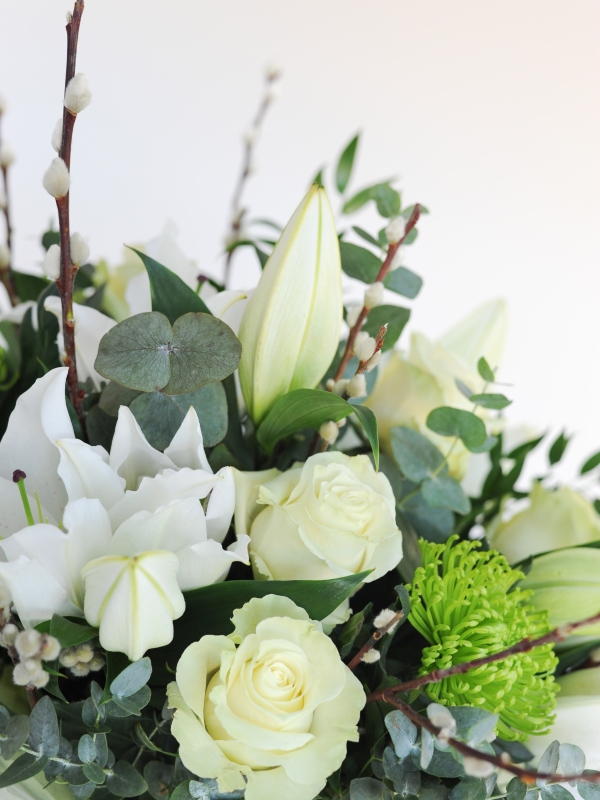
(240, 556)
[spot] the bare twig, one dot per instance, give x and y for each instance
(377, 635)
(237, 210)
(528, 776)
(5, 271)
(525, 645)
(385, 268)
(67, 268)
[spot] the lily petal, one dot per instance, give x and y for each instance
(221, 506)
(187, 446)
(86, 473)
(180, 524)
(206, 563)
(131, 456)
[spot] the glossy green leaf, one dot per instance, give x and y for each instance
(484, 369)
(386, 199)
(359, 263)
(395, 317)
(302, 408)
(169, 294)
(496, 401)
(144, 352)
(368, 420)
(448, 421)
(345, 164)
(404, 282)
(591, 463)
(557, 448)
(68, 633)
(209, 611)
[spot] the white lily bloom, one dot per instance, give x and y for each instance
(133, 502)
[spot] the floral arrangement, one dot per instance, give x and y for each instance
(240, 556)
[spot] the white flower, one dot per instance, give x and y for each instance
(56, 179)
(395, 230)
(132, 501)
(80, 251)
(333, 515)
(51, 264)
(374, 295)
(56, 139)
(7, 156)
(272, 715)
(77, 94)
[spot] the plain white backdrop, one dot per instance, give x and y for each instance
(488, 110)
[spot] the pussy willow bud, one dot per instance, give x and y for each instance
(56, 179)
(50, 648)
(80, 252)
(374, 360)
(384, 618)
(7, 156)
(57, 135)
(8, 635)
(477, 768)
(395, 230)
(77, 94)
(374, 295)
(51, 264)
(371, 656)
(29, 671)
(28, 643)
(353, 314)
(339, 387)
(4, 256)
(398, 258)
(357, 386)
(364, 346)
(329, 432)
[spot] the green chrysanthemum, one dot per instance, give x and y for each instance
(463, 602)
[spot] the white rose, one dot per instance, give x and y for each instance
(272, 715)
(332, 516)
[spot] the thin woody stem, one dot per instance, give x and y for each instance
(528, 776)
(385, 268)
(377, 636)
(525, 645)
(67, 268)
(5, 271)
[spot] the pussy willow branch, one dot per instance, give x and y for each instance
(237, 210)
(557, 635)
(5, 271)
(385, 268)
(376, 637)
(67, 268)
(528, 776)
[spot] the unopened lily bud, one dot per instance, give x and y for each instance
(28, 643)
(371, 656)
(51, 263)
(50, 648)
(56, 179)
(357, 386)
(57, 135)
(374, 360)
(7, 156)
(80, 252)
(374, 295)
(339, 387)
(4, 256)
(77, 94)
(477, 768)
(329, 432)
(398, 258)
(353, 314)
(395, 230)
(364, 346)
(384, 618)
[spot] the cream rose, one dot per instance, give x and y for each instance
(332, 516)
(268, 709)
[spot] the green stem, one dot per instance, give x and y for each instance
(25, 500)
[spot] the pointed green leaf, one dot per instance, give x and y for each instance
(486, 372)
(359, 263)
(591, 463)
(345, 164)
(558, 447)
(369, 422)
(132, 678)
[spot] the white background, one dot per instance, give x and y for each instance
(488, 110)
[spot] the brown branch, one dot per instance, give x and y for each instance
(557, 635)
(67, 268)
(5, 271)
(237, 211)
(370, 643)
(385, 268)
(528, 776)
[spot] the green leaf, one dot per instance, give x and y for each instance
(359, 263)
(68, 633)
(160, 415)
(591, 463)
(442, 491)
(516, 790)
(572, 759)
(427, 749)
(480, 731)
(29, 287)
(125, 781)
(369, 422)
(209, 611)
(144, 352)
(404, 282)
(318, 179)
(558, 447)
(468, 789)
(416, 456)
(44, 735)
(402, 731)
(302, 408)
(159, 777)
(369, 789)
(17, 733)
(100, 427)
(114, 396)
(589, 791)
(86, 749)
(94, 773)
(26, 766)
(466, 426)
(555, 792)
(349, 633)
(358, 201)
(132, 678)
(365, 235)
(486, 372)
(386, 199)
(395, 317)
(345, 164)
(170, 295)
(496, 401)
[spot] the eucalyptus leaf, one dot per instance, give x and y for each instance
(125, 781)
(395, 317)
(442, 491)
(416, 456)
(365, 235)
(486, 372)
(482, 729)
(94, 773)
(17, 733)
(549, 759)
(26, 766)
(83, 791)
(516, 789)
(402, 731)
(44, 735)
(386, 199)
(132, 679)
(448, 421)
(555, 791)
(368, 420)
(86, 749)
(572, 759)
(356, 202)
(369, 789)
(427, 747)
(114, 396)
(589, 791)
(359, 263)
(485, 400)
(158, 776)
(345, 164)
(404, 282)
(469, 788)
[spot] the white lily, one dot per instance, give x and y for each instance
(133, 501)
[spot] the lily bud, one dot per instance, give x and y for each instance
(133, 600)
(566, 583)
(77, 94)
(56, 179)
(294, 317)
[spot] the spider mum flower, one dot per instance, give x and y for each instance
(463, 602)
